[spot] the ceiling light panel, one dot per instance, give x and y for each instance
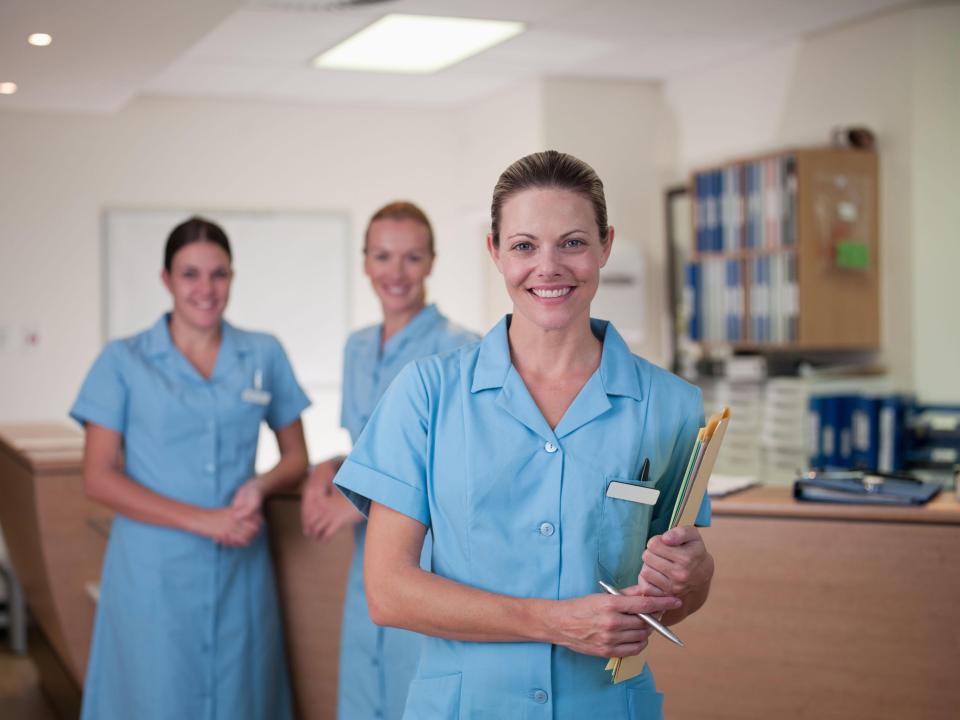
(40, 39)
(416, 43)
(8, 88)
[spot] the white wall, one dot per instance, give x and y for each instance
(490, 135)
(618, 127)
(898, 75)
(936, 203)
(895, 73)
(59, 171)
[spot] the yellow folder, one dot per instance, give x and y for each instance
(692, 489)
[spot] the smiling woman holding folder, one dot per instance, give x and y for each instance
(523, 454)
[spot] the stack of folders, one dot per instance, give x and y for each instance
(693, 486)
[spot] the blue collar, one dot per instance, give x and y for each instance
(233, 345)
(419, 325)
(618, 374)
(618, 370)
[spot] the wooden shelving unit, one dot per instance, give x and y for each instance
(786, 253)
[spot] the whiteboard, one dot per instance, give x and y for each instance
(291, 280)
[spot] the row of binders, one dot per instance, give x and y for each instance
(886, 433)
(735, 300)
(746, 206)
(693, 487)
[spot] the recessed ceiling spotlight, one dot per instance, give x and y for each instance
(416, 43)
(40, 39)
(8, 88)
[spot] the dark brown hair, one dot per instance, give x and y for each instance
(549, 169)
(196, 229)
(401, 210)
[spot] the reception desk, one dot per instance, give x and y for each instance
(817, 611)
(311, 580)
(56, 539)
(822, 611)
(55, 553)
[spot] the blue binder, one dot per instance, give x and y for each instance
(865, 427)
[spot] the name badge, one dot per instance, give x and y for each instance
(257, 397)
(633, 493)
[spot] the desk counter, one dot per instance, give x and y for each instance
(821, 611)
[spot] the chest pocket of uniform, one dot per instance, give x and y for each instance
(243, 430)
(623, 534)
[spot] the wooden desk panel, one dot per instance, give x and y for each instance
(311, 580)
(44, 513)
(814, 617)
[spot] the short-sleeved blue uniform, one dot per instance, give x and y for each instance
(518, 508)
(377, 664)
(187, 628)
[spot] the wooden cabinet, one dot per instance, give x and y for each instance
(786, 252)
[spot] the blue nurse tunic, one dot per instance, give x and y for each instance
(377, 664)
(187, 628)
(518, 508)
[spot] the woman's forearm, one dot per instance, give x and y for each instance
(414, 599)
(290, 469)
(125, 496)
(293, 464)
(401, 594)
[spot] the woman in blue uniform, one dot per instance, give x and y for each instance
(505, 450)
(377, 664)
(188, 624)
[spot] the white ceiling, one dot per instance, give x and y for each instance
(106, 52)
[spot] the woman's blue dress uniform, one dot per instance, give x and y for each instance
(187, 628)
(377, 664)
(518, 508)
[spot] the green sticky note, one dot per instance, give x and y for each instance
(854, 254)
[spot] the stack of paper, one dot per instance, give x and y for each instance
(693, 486)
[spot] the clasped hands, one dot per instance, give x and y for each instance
(237, 524)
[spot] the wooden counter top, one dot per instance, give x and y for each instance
(43, 447)
(778, 502)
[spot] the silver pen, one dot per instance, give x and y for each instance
(649, 619)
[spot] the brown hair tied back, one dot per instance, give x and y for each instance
(196, 229)
(549, 169)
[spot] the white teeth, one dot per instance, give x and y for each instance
(558, 292)
(396, 290)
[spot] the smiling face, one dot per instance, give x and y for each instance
(199, 283)
(550, 255)
(398, 260)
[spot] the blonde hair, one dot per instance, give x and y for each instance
(400, 210)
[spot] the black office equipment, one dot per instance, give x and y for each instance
(863, 489)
